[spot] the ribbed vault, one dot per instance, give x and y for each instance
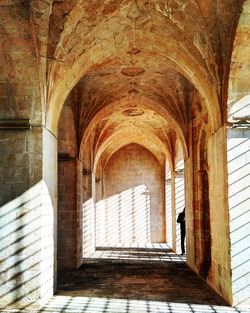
(156, 49)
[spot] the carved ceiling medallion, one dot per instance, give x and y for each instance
(133, 112)
(132, 71)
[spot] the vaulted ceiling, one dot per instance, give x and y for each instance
(131, 64)
(135, 65)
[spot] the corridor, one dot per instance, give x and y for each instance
(116, 117)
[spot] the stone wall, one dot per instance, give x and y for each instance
(27, 218)
(206, 200)
(132, 209)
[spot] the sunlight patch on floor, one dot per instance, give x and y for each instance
(69, 304)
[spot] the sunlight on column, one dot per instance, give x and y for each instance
(169, 216)
(239, 210)
(47, 245)
(179, 200)
(88, 244)
(27, 248)
(124, 217)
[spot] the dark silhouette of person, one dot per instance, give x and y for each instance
(181, 221)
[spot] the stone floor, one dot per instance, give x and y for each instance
(133, 284)
(168, 281)
(132, 245)
(138, 252)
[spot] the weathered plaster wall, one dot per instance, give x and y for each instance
(132, 209)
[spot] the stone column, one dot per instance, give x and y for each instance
(88, 213)
(238, 154)
(168, 204)
(67, 207)
(219, 276)
(189, 212)
(79, 214)
(27, 217)
(173, 210)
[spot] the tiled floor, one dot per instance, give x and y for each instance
(68, 304)
(137, 252)
(131, 279)
(121, 245)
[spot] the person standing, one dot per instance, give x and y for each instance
(181, 221)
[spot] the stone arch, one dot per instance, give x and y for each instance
(145, 139)
(176, 56)
(132, 186)
(144, 103)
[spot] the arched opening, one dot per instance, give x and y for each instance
(179, 191)
(131, 208)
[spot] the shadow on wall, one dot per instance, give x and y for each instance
(27, 249)
(239, 210)
(238, 154)
(124, 217)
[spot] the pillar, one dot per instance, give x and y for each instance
(168, 202)
(27, 216)
(238, 154)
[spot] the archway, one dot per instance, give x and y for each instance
(131, 209)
